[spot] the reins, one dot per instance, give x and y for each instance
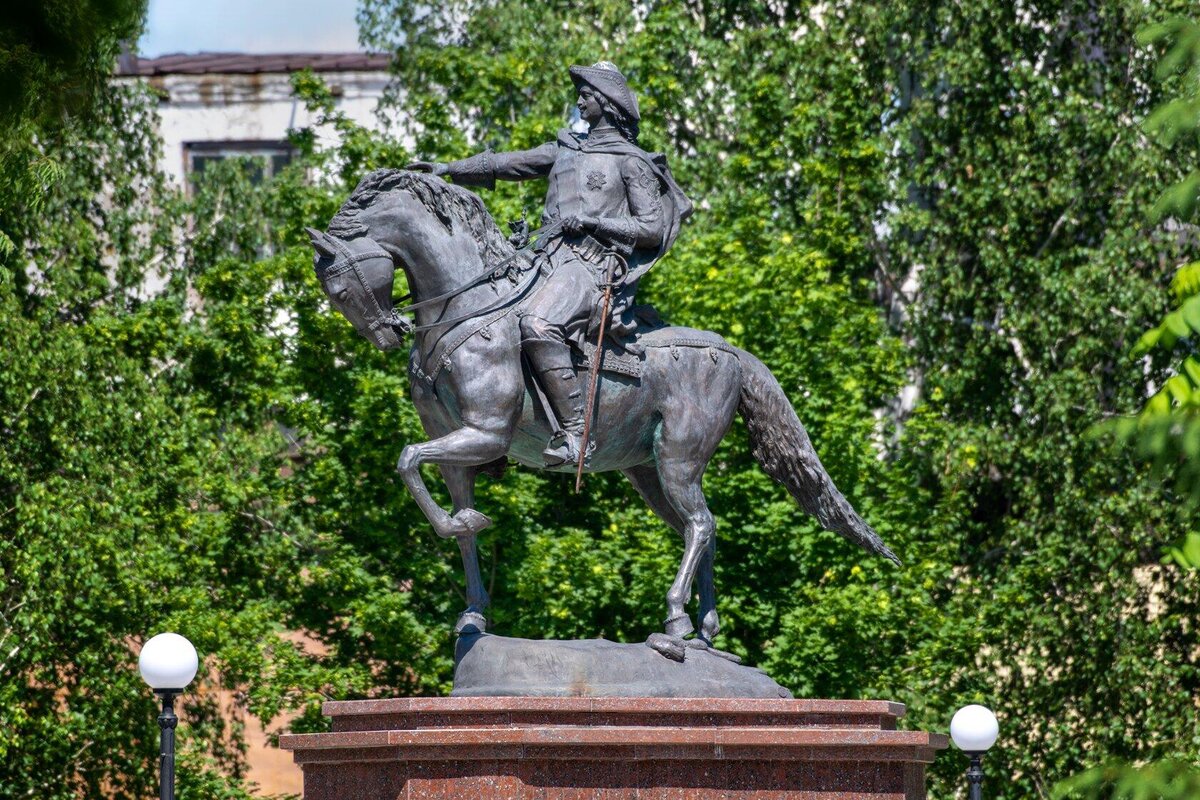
(508, 298)
(349, 261)
(491, 273)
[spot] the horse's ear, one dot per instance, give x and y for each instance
(320, 242)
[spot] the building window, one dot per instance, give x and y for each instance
(269, 156)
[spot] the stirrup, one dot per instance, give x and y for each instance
(564, 449)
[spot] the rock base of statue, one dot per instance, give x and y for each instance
(617, 748)
(486, 665)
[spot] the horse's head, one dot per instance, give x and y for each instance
(357, 276)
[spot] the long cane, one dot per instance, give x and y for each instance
(595, 372)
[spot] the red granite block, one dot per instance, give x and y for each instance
(914, 781)
(575, 780)
(614, 749)
(682, 780)
(461, 780)
(362, 781)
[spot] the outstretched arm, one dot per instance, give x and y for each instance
(484, 169)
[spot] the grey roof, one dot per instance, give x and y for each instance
(248, 63)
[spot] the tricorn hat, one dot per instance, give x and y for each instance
(605, 78)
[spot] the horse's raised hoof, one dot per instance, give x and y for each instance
(467, 522)
(473, 520)
(672, 647)
(679, 627)
(470, 623)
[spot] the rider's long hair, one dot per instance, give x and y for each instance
(625, 125)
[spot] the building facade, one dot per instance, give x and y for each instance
(218, 105)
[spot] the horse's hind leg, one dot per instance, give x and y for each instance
(646, 481)
(695, 416)
(681, 484)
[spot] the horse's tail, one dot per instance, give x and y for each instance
(782, 448)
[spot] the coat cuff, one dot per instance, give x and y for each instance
(616, 233)
(478, 170)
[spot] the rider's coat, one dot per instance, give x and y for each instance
(620, 189)
(600, 175)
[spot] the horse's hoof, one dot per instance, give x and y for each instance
(700, 643)
(668, 646)
(470, 623)
(679, 627)
(451, 529)
(710, 626)
(473, 520)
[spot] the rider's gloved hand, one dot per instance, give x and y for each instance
(432, 167)
(578, 224)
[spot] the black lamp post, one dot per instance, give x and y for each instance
(974, 730)
(168, 663)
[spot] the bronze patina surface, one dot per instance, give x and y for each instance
(503, 333)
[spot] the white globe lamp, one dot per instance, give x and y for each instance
(974, 730)
(168, 663)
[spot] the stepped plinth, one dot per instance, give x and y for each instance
(614, 748)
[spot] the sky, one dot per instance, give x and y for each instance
(249, 26)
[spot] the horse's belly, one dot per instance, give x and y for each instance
(622, 429)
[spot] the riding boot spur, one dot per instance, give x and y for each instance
(551, 362)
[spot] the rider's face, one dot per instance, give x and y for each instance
(589, 105)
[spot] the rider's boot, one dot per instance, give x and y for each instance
(551, 360)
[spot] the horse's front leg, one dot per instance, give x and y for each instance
(465, 447)
(486, 388)
(461, 483)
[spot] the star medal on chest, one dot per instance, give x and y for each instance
(595, 180)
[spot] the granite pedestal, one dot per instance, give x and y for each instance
(616, 748)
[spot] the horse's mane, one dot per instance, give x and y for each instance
(452, 205)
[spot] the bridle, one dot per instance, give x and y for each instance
(347, 261)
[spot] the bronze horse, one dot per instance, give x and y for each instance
(659, 428)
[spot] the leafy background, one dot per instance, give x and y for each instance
(938, 223)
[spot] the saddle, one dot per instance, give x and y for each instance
(623, 354)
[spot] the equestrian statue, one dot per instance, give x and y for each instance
(507, 333)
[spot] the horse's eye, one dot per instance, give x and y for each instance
(343, 294)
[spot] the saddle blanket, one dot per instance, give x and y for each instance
(622, 361)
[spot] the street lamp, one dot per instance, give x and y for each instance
(974, 729)
(168, 663)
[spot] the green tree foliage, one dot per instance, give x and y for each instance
(980, 168)
(55, 57)
(1167, 431)
(127, 505)
(945, 197)
(1163, 780)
